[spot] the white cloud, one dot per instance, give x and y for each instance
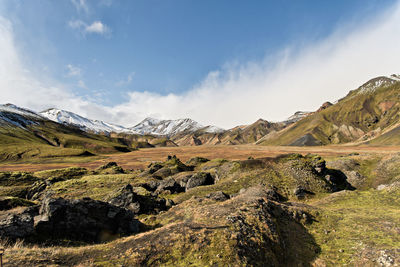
(127, 81)
(81, 5)
(21, 87)
(73, 70)
(295, 79)
(96, 27)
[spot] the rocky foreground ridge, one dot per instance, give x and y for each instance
(279, 211)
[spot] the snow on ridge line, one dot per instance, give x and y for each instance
(171, 127)
(67, 117)
(11, 108)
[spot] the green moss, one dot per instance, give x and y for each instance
(352, 221)
(61, 174)
(16, 178)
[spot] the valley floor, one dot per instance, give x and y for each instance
(142, 157)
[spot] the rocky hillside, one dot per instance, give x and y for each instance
(286, 211)
(363, 115)
(246, 134)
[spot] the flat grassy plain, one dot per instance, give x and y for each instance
(141, 158)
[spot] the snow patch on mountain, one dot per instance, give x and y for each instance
(296, 117)
(13, 115)
(171, 127)
(70, 118)
(372, 85)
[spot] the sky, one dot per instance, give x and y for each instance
(224, 63)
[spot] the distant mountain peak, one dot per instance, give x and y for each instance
(298, 115)
(70, 118)
(371, 85)
(171, 127)
(11, 114)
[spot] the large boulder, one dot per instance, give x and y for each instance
(18, 224)
(169, 185)
(127, 199)
(84, 220)
(198, 179)
(139, 204)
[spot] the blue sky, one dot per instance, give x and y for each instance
(104, 53)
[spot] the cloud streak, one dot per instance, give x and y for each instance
(81, 5)
(294, 79)
(273, 88)
(96, 27)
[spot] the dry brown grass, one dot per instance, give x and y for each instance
(141, 158)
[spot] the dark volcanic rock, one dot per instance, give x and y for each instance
(7, 203)
(300, 192)
(218, 196)
(153, 167)
(138, 204)
(164, 172)
(272, 194)
(84, 220)
(16, 225)
(198, 179)
(171, 185)
(127, 199)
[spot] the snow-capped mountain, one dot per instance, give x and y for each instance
(171, 127)
(375, 83)
(296, 117)
(15, 116)
(70, 118)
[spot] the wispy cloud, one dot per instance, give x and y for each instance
(273, 88)
(105, 2)
(81, 5)
(73, 70)
(96, 27)
(294, 79)
(126, 81)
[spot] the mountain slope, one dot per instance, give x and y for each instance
(364, 112)
(70, 118)
(26, 134)
(239, 135)
(171, 127)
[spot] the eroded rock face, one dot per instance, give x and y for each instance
(17, 225)
(169, 185)
(198, 179)
(126, 198)
(84, 219)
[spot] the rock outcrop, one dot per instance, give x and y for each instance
(81, 220)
